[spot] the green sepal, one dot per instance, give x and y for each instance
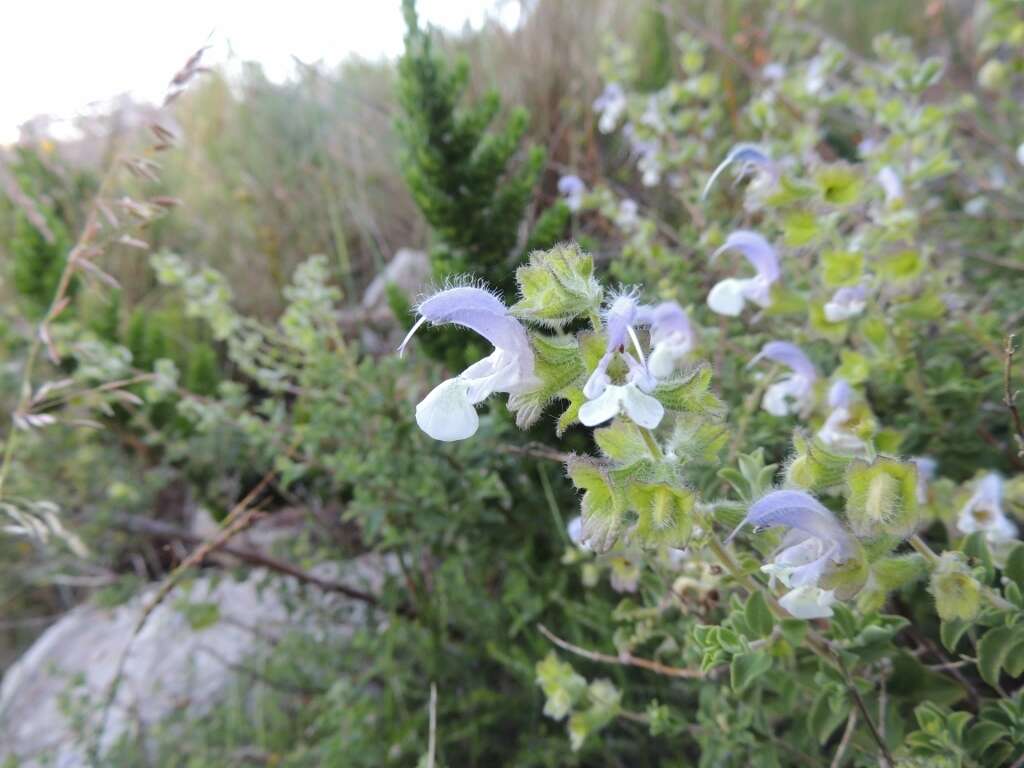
(957, 593)
(838, 185)
(816, 467)
(882, 497)
(603, 505)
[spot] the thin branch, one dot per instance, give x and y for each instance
(623, 659)
(859, 701)
(432, 737)
(248, 555)
(1010, 397)
(851, 726)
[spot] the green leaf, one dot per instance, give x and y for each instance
(840, 268)
(745, 668)
(200, 615)
(799, 228)
(838, 184)
(950, 632)
(976, 547)
(822, 720)
(1014, 568)
(901, 267)
(983, 735)
(759, 617)
(790, 191)
(691, 394)
(993, 649)
(622, 442)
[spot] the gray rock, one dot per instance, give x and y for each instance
(170, 666)
(409, 271)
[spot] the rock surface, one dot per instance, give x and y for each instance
(182, 659)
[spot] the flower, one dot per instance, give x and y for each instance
(834, 433)
(628, 215)
(572, 189)
(447, 413)
(750, 157)
(795, 393)
(606, 400)
(575, 531)
(646, 151)
(846, 303)
(984, 512)
(1020, 153)
(815, 540)
(926, 467)
(891, 185)
(610, 105)
(729, 296)
(671, 337)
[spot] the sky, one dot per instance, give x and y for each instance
(64, 57)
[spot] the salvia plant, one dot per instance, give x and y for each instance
(854, 374)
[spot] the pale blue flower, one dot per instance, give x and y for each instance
(794, 394)
(672, 337)
(835, 433)
(926, 469)
(750, 157)
(572, 189)
(891, 185)
(729, 296)
(448, 412)
(606, 400)
(610, 106)
(628, 216)
(984, 512)
(814, 541)
(845, 303)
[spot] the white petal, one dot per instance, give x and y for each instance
(790, 396)
(602, 408)
(447, 414)
(643, 409)
(727, 297)
(808, 602)
(837, 312)
(1020, 154)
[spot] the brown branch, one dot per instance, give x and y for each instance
(1010, 397)
(245, 554)
(241, 516)
(859, 701)
(623, 659)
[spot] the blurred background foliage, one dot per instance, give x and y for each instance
(343, 163)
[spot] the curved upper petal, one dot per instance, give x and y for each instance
(789, 355)
(758, 251)
(800, 511)
(748, 154)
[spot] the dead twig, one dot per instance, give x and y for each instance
(851, 726)
(247, 555)
(1010, 397)
(624, 659)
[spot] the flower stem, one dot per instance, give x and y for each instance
(652, 444)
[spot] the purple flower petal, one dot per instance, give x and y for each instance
(789, 355)
(756, 250)
(748, 155)
(800, 511)
(840, 394)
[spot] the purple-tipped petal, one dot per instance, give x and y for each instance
(758, 251)
(668, 318)
(797, 510)
(840, 394)
(571, 186)
(618, 318)
(789, 355)
(747, 154)
(481, 312)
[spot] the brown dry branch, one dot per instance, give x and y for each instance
(1010, 396)
(623, 659)
(256, 557)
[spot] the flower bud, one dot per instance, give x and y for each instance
(957, 593)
